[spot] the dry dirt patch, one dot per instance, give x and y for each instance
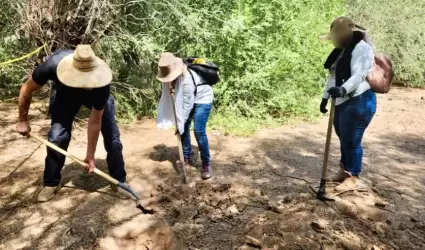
(259, 198)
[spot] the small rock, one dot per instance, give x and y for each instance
(279, 209)
(244, 247)
(214, 201)
(319, 225)
(375, 248)
(256, 231)
(154, 193)
(271, 242)
(348, 245)
(305, 195)
(232, 211)
(381, 204)
(276, 206)
(414, 220)
(252, 241)
(328, 246)
(257, 192)
(192, 184)
(223, 206)
(222, 187)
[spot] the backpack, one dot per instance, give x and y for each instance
(381, 77)
(207, 70)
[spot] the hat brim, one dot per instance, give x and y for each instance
(171, 76)
(71, 77)
(328, 36)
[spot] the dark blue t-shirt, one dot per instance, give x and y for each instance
(68, 96)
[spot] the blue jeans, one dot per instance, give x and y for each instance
(200, 114)
(351, 120)
(62, 115)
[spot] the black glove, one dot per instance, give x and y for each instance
(323, 105)
(336, 92)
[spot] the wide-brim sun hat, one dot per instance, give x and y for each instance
(341, 28)
(169, 67)
(83, 69)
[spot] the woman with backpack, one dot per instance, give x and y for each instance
(349, 65)
(194, 101)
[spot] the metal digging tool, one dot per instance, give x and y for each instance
(321, 193)
(96, 171)
(179, 138)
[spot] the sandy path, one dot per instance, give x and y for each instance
(254, 201)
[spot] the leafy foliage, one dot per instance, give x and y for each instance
(268, 50)
(397, 28)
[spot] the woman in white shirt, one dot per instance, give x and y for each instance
(194, 101)
(348, 64)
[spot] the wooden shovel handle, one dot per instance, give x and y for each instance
(328, 139)
(82, 163)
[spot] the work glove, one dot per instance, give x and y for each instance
(323, 105)
(336, 92)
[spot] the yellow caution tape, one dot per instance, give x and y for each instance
(23, 57)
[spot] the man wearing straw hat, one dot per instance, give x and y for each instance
(80, 78)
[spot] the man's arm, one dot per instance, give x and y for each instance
(100, 98)
(93, 130)
(24, 102)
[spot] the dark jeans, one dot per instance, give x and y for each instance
(62, 116)
(200, 114)
(351, 120)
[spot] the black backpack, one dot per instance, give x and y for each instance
(207, 70)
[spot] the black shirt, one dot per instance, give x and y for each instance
(68, 96)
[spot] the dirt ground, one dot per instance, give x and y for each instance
(260, 197)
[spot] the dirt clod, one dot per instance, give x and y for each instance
(253, 241)
(222, 187)
(414, 220)
(381, 203)
(348, 245)
(319, 225)
(244, 247)
(231, 211)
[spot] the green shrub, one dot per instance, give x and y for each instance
(397, 28)
(269, 51)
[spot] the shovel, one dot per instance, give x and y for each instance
(96, 171)
(179, 138)
(321, 193)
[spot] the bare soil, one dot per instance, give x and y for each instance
(260, 198)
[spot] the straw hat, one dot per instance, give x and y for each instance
(84, 69)
(169, 67)
(341, 28)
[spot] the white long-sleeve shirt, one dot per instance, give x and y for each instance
(362, 59)
(185, 100)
